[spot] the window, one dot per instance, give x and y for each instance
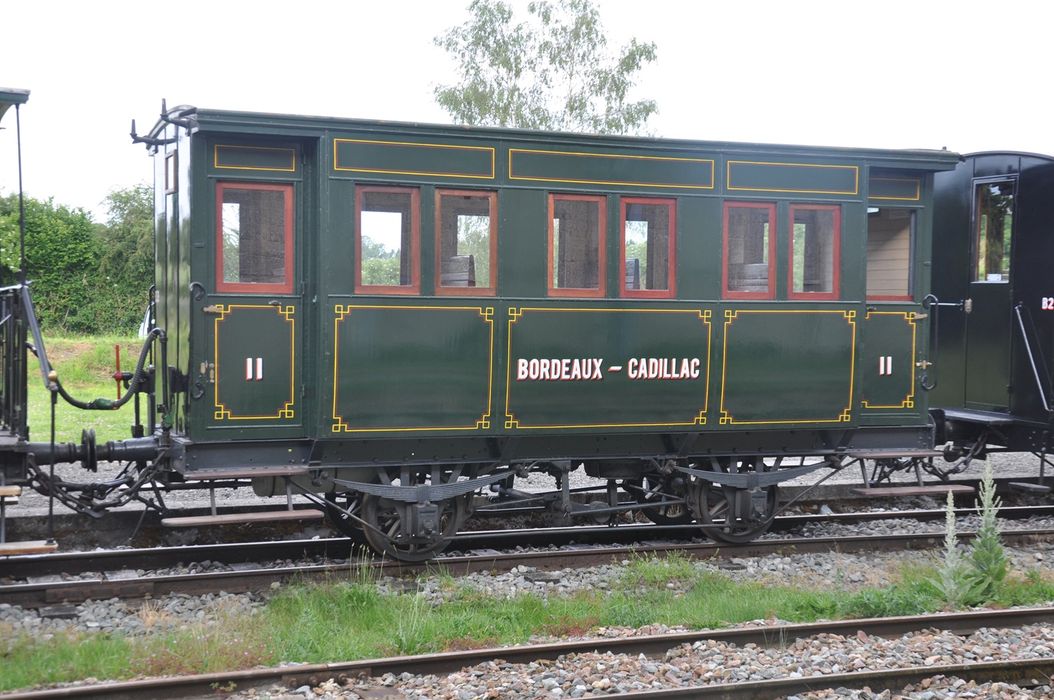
(749, 250)
(995, 222)
(466, 249)
(576, 245)
(254, 238)
(814, 251)
(890, 236)
(648, 252)
(171, 173)
(387, 237)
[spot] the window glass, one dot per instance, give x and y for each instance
(995, 221)
(748, 239)
(253, 231)
(889, 252)
(814, 244)
(387, 221)
(576, 243)
(647, 232)
(465, 239)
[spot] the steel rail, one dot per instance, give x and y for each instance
(649, 645)
(257, 580)
(28, 566)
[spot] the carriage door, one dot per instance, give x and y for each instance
(253, 320)
(989, 326)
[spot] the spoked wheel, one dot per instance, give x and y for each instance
(336, 504)
(386, 535)
(733, 515)
(665, 495)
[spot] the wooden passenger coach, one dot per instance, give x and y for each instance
(394, 304)
(395, 320)
(791, 276)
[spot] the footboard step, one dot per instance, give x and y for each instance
(13, 549)
(14, 491)
(1028, 487)
(934, 490)
(236, 518)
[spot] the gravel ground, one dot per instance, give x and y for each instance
(712, 662)
(847, 571)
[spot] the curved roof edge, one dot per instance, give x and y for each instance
(1025, 154)
(11, 96)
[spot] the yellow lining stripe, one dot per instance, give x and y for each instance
(384, 171)
(845, 416)
(216, 158)
(916, 181)
(341, 311)
(514, 151)
(288, 409)
(909, 318)
(854, 168)
(511, 422)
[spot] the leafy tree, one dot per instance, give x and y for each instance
(86, 277)
(551, 72)
(61, 258)
(127, 249)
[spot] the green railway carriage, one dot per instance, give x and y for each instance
(357, 302)
(391, 319)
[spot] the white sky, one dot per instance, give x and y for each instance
(964, 75)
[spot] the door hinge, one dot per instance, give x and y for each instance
(923, 364)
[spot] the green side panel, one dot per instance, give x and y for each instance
(787, 367)
(607, 368)
(805, 178)
(267, 158)
(402, 158)
(611, 169)
(254, 352)
(900, 188)
(887, 360)
(411, 368)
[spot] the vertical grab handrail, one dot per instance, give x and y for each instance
(931, 304)
(1032, 358)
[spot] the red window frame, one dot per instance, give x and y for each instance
(836, 254)
(468, 291)
(671, 254)
(727, 293)
(286, 286)
(601, 287)
(415, 243)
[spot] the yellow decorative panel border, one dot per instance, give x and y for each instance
(514, 151)
(845, 416)
(288, 409)
(731, 187)
(909, 400)
(385, 171)
(515, 314)
(914, 180)
(342, 311)
(216, 158)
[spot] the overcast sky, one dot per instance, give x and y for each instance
(964, 75)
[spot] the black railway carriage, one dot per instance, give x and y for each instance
(400, 316)
(995, 325)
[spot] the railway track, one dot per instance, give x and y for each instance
(1021, 672)
(255, 579)
(237, 553)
